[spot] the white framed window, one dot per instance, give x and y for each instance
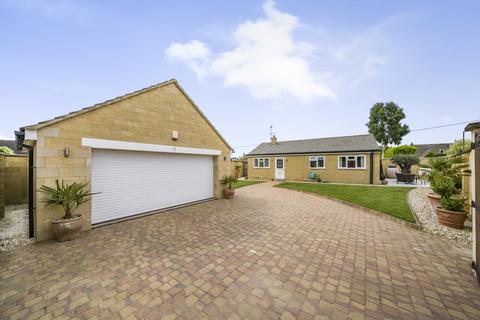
(317, 162)
(351, 162)
(261, 163)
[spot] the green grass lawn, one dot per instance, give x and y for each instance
(244, 183)
(389, 200)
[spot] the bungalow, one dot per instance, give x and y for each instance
(347, 159)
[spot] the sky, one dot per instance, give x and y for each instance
(310, 69)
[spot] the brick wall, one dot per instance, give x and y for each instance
(297, 167)
(149, 117)
(16, 179)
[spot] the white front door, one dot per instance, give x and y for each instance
(280, 168)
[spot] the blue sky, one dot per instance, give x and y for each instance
(309, 68)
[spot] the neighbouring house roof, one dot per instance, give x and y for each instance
(424, 150)
(364, 142)
(46, 123)
(12, 144)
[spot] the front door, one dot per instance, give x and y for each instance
(279, 168)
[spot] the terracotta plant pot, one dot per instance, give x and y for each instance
(452, 219)
(434, 200)
(67, 229)
(228, 193)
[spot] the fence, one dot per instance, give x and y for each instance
(2, 187)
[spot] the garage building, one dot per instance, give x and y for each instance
(143, 152)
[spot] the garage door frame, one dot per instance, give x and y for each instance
(153, 148)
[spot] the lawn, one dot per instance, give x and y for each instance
(389, 200)
(244, 183)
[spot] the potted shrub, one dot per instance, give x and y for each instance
(69, 197)
(405, 162)
(229, 191)
(444, 167)
(452, 212)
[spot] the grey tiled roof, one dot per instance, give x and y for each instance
(425, 149)
(364, 142)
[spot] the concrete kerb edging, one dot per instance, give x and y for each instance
(368, 210)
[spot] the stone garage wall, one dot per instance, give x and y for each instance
(149, 117)
(16, 179)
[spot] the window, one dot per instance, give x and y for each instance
(351, 162)
(317, 162)
(280, 163)
(261, 163)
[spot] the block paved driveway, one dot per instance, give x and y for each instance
(268, 254)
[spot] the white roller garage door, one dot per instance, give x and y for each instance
(134, 182)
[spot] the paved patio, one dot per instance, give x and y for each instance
(268, 254)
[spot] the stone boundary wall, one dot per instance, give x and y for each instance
(15, 179)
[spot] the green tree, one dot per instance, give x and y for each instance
(384, 123)
(390, 152)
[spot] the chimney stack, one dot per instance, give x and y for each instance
(274, 139)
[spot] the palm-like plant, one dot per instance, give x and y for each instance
(68, 196)
(228, 181)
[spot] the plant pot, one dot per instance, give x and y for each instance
(67, 229)
(452, 219)
(405, 177)
(228, 193)
(391, 172)
(434, 200)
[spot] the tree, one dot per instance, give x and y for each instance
(407, 149)
(405, 161)
(384, 123)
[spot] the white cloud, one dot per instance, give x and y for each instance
(270, 61)
(194, 53)
(266, 60)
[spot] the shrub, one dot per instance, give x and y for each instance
(405, 161)
(228, 181)
(443, 186)
(68, 196)
(6, 150)
(452, 167)
(459, 147)
(454, 203)
(406, 149)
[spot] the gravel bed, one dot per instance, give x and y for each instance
(14, 228)
(421, 207)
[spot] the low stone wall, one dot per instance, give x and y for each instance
(15, 179)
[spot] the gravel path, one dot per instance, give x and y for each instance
(421, 207)
(14, 228)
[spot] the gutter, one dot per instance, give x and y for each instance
(20, 138)
(310, 152)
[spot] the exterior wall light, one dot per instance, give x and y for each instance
(66, 152)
